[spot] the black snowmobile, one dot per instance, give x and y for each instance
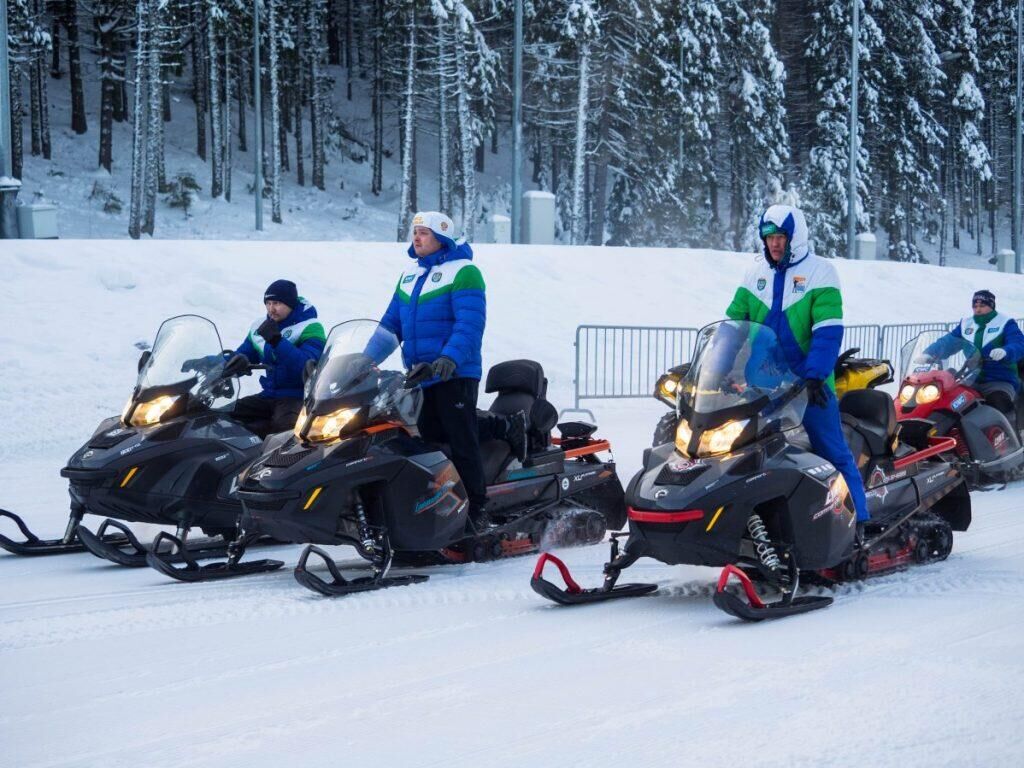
(356, 472)
(738, 490)
(169, 459)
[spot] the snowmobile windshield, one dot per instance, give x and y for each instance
(358, 381)
(739, 373)
(939, 351)
(183, 371)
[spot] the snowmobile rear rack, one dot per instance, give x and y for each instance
(936, 445)
(33, 545)
(339, 585)
(591, 446)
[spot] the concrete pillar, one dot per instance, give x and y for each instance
(1006, 261)
(538, 218)
(499, 229)
(867, 247)
(9, 189)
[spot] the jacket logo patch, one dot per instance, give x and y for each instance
(444, 226)
(408, 279)
(761, 283)
(992, 330)
(287, 334)
(970, 330)
(799, 284)
(436, 277)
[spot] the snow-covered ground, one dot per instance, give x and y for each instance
(104, 666)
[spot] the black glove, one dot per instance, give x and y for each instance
(237, 365)
(443, 368)
(270, 331)
(817, 392)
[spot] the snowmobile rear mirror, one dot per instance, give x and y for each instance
(143, 359)
(308, 370)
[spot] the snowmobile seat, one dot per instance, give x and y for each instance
(521, 386)
(872, 415)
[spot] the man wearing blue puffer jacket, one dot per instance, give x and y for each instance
(438, 313)
(286, 338)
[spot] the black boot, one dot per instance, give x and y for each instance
(480, 520)
(515, 434)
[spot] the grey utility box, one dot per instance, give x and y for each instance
(1006, 261)
(499, 229)
(37, 221)
(866, 248)
(538, 218)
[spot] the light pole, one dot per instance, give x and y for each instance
(517, 121)
(851, 193)
(258, 109)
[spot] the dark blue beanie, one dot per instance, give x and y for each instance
(283, 291)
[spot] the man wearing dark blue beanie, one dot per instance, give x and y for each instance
(286, 338)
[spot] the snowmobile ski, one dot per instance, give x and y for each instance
(131, 553)
(574, 594)
(33, 545)
(339, 585)
(192, 571)
(755, 609)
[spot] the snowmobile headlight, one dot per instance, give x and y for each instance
(328, 427)
(929, 393)
(683, 435)
(906, 393)
(150, 412)
(668, 389)
(723, 439)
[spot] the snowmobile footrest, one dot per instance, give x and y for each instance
(339, 585)
(756, 609)
(33, 545)
(573, 594)
(191, 571)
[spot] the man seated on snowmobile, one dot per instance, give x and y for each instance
(438, 312)
(796, 293)
(1001, 344)
(286, 338)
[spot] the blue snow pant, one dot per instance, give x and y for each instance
(825, 429)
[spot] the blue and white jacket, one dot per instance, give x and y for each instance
(988, 332)
(302, 339)
(440, 308)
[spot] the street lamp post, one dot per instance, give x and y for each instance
(851, 193)
(258, 109)
(517, 122)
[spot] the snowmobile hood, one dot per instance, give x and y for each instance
(791, 222)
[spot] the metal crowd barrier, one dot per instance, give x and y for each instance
(625, 361)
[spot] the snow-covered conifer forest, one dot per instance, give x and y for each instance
(654, 122)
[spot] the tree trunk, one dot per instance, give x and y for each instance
(348, 49)
(275, 114)
(407, 200)
(577, 224)
(377, 176)
(297, 103)
(444, 140)
(44, 104)
(217, 181)
(465, 136)
(601, 162)
(55, 22)
(199, 76)
(317, 111)
(226, 112)
(135, 211)
(78, 122)
(241, 89)
(155, 125)
(120, 69)
(106, 62)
